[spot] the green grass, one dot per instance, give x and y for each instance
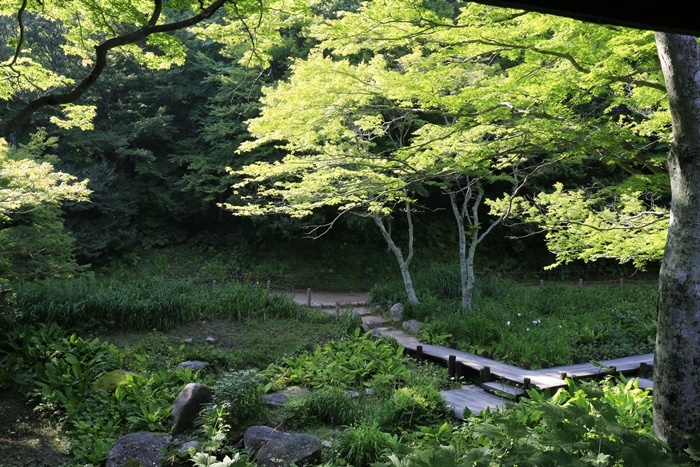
(554, 325)
(149, 304)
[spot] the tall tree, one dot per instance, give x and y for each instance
(676, 368)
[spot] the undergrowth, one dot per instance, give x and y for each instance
(533, 326)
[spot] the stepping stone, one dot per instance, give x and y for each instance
(372, 321)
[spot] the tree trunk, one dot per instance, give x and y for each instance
(404, 263)
(677, 356)
(463, 268)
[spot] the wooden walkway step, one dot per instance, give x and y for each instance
(589, 370)
(503, 388)
(504, 379)
(473, 398)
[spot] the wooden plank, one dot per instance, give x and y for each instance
(502, 387)
(548, 378)
(588, 370)
(499, 370)
(473, 398)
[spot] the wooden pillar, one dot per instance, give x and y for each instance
(459, 370)
(451, 365)
(269, 285)
(419, 353)
(308, 297)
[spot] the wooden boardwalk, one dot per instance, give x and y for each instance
(501, 382)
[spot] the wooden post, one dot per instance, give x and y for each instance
(562, 375)
(580, 282)
(459, 370)
(541, 283)
(526, 383)
(269, 285)
(643, 370)
(337, 311)
(622, 282)
(308, 297)
(419, 353)
(213, 283)
(451, 361)
(487, 374)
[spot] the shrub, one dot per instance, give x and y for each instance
(343, 363)
(364, 444)
(323, 406)
(242, 391)
(410, 407)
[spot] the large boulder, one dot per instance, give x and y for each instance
(271, 447)
(142, 449)
(188, 404)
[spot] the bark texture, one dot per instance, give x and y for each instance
(404, 263)
(677, 356)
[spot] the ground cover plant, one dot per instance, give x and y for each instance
(93, 390)
(375, 404)
(525, 324)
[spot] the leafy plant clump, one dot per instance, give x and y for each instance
(342, 363)
(324, 406)
(606, 423)
(364, 444)
(58, 372)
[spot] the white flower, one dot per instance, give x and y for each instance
(507, 323)
(527, 329)
(560, 326)
(518, 314)
(534, 321)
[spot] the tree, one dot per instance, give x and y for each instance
(33, 244)
(91, 32)
(676, 369)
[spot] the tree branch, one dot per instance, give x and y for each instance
(101, 51)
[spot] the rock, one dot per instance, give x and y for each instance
(194, 364)
(413, 326)
(280, 398)
(189, 340)
(396, 312)
(277, 448)
(210, 340)
(142, 449)
(183, 451)
(188, 404)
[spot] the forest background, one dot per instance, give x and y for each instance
(159, 149)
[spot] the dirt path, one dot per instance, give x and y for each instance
(330, 298)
